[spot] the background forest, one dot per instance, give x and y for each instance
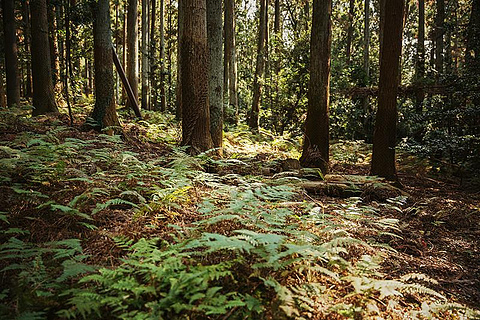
(160, 180)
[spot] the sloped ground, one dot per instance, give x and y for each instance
(247, 231)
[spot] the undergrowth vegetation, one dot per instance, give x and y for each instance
(131, 227)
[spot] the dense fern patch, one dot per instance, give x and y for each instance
(131, 227)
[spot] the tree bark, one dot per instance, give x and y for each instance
(53, 42)
(230, 63)
(163, 98)
(132, 47)
(366, 42)
(316, 142)
(26, 30)
(384, 138)
(43, 94)
(11, 51)
(153, 57)
(260, 68)
(215, 82)
(194, 78)
(179, 102)
(104, 113)
(420, 63)
(439, 32)
(145, 78)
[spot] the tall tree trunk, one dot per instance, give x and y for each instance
(384, 138)
(259, 69)
(61, 54)
(52, 41)
(194, 78)
(316, 142)
(163, 100)
(181, 17)
(439, 33)
(420, 61)
(230, 72)
(43, 94)
(215, 86)
(153, 57)
(351, 19)
(104, 113)
(472, 57)
(26, 30)
(11, 52)
(145, 80)
(132, 47)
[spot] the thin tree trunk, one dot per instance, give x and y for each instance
(145, 27)
(384, 139)
(420, 58)
(28, 65)
(163, 100)
(366, 42)
(53, 42)
(259, 69)
(61, 55)
(43, 94)
(215, 90)
(178, 103)
(316, 142)
(194, 69)
(230, 72)
(351, 19)
(104, 113)
(132, 47)
(439, 33)
(11, 53)
(153, 58)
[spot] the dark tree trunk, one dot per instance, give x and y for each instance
(43, 94)
(11, 51)
(194, 78)
(420, 61)
(52, 41)
(179, 102)
(215, 90)
(420, 58)
(383, 159)
(104, 113)
(260, 68)
(28, 65)
(153, 57)
(230, 72)
(472, 57)
(163, 98)
(132, 47)
(145, 68)
(439, 33)
(316, 143)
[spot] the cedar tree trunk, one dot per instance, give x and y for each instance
(260, 67)
(215, 90)
(104, 113)
(11, 50)
(194, 78)
(316, 143)
(43, 94)
(132, 47)
(384, 137)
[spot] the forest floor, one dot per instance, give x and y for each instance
(58, 183)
